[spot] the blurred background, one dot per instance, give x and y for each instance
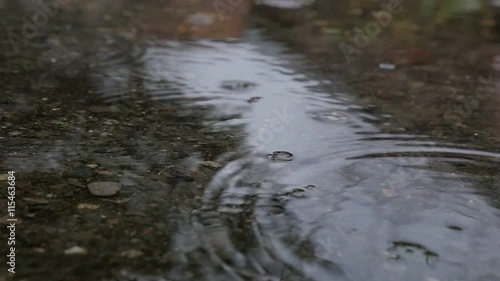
(252, 140)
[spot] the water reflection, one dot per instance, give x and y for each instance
(315, 183)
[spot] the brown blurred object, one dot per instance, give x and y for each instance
(167, 19)
(285, 15)
(495, 65)
(194, 19)
(496, 18)
(409, 56)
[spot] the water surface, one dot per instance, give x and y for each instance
(313, 182)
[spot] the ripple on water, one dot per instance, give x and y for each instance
(254, 99)
(238, 85)
(401, 250)
(329, 116)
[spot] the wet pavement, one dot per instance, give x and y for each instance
(194, 140)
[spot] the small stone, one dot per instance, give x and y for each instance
(92, 166)
(107, 173)
(388, 192)
(39, 250)
(49, 195)
(201, 19)
(75, 182)
(211, 164)
(103, 109)
(36, 201)
(76, 250)
(110, 122)
(81, 172)
(387, 66)
(132, 253)
(104, 189)
(88, 206)
(4, 177)
(69, 194)
(119, 201)
(50, 230)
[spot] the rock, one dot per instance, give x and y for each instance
(107, 173)
(104, 189)
(201, 19)
(39, 250)
(103, 109)
(119, 201)
(81, 172)
(76, 250)
(36, 201)
(4, 177)
(211, 164)
(50, 230)
(75, 182)
(69, 194)
(387, 66)
(132, 253)
(388, 192)
(88, 206)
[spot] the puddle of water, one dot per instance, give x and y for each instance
(382, 200)
(313, 185)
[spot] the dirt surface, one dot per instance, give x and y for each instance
(59, 139)
(74, 110)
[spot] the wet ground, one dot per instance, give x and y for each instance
(252, 143)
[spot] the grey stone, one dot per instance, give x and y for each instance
(104, 189)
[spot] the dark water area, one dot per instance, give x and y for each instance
(251, 141)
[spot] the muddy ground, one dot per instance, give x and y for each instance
(60, 133)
